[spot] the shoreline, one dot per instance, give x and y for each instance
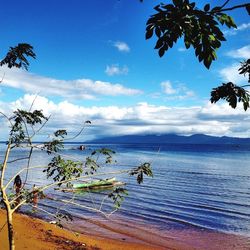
(41, 235)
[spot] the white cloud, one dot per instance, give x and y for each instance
(116, 70)
(79, 88)
(242, 53)
(167, 88)
(122, 46)
(243, 26)
(209, 119)
(180, 92)
(231, 74)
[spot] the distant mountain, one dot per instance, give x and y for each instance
(172, 139)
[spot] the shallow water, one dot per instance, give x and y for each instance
(195, 187)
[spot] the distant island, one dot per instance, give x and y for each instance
(162, 139)
(171, 139)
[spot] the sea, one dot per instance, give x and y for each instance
(194, 188)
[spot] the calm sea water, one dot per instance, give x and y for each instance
(206, 187)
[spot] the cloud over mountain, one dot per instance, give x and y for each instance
(141, 118)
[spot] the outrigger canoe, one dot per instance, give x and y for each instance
(95, 184)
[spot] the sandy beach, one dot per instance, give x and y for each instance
(36, 234)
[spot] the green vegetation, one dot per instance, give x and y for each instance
(24, 127)
(200, 29)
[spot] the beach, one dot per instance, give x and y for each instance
(35, 234)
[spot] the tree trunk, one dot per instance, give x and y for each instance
(10, 229)
(6, 201)
(9, 223)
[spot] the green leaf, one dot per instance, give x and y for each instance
(207, 7)
(149, 33)
(248, 9)
(187, 44)
(200, 28)
(207, 62)
(232, 94)
(245, 69)
(232, 23)
(161, 52)
(214, 55)
(145, 168)
(212, 37)
(246, 105)
(157, 31)
(159, 44)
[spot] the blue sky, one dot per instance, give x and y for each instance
(93, 62)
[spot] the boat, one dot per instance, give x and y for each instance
(95, 184)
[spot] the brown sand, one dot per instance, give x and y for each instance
(35, 234)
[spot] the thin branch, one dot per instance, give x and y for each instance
(247, 85)
(18, 159)
(72, 198)
(86, 207)
(4, 167)
(28, 166)
(231, 8)
(6, 118)
(107, 215)
(222, 6)
(43, 210)
(104, 198)
(112, 212)
(38, 146)
(37, 131)
(19, 205)
(72, 138)
(3, 226)
(55, 153)
(2, 77)
(31, 106)
(75, 136)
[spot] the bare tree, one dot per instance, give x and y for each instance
(63, 171)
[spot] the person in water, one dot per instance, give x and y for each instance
(17, 187)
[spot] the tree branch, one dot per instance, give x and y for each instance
(4, 167)
(231, 8)
(18, 159)
(28, 166)
(6, 118)
(222, 6)
(2, 77)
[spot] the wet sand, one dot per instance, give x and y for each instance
(35, 234)
(181, 239)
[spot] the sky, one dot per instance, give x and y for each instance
(93, 63)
